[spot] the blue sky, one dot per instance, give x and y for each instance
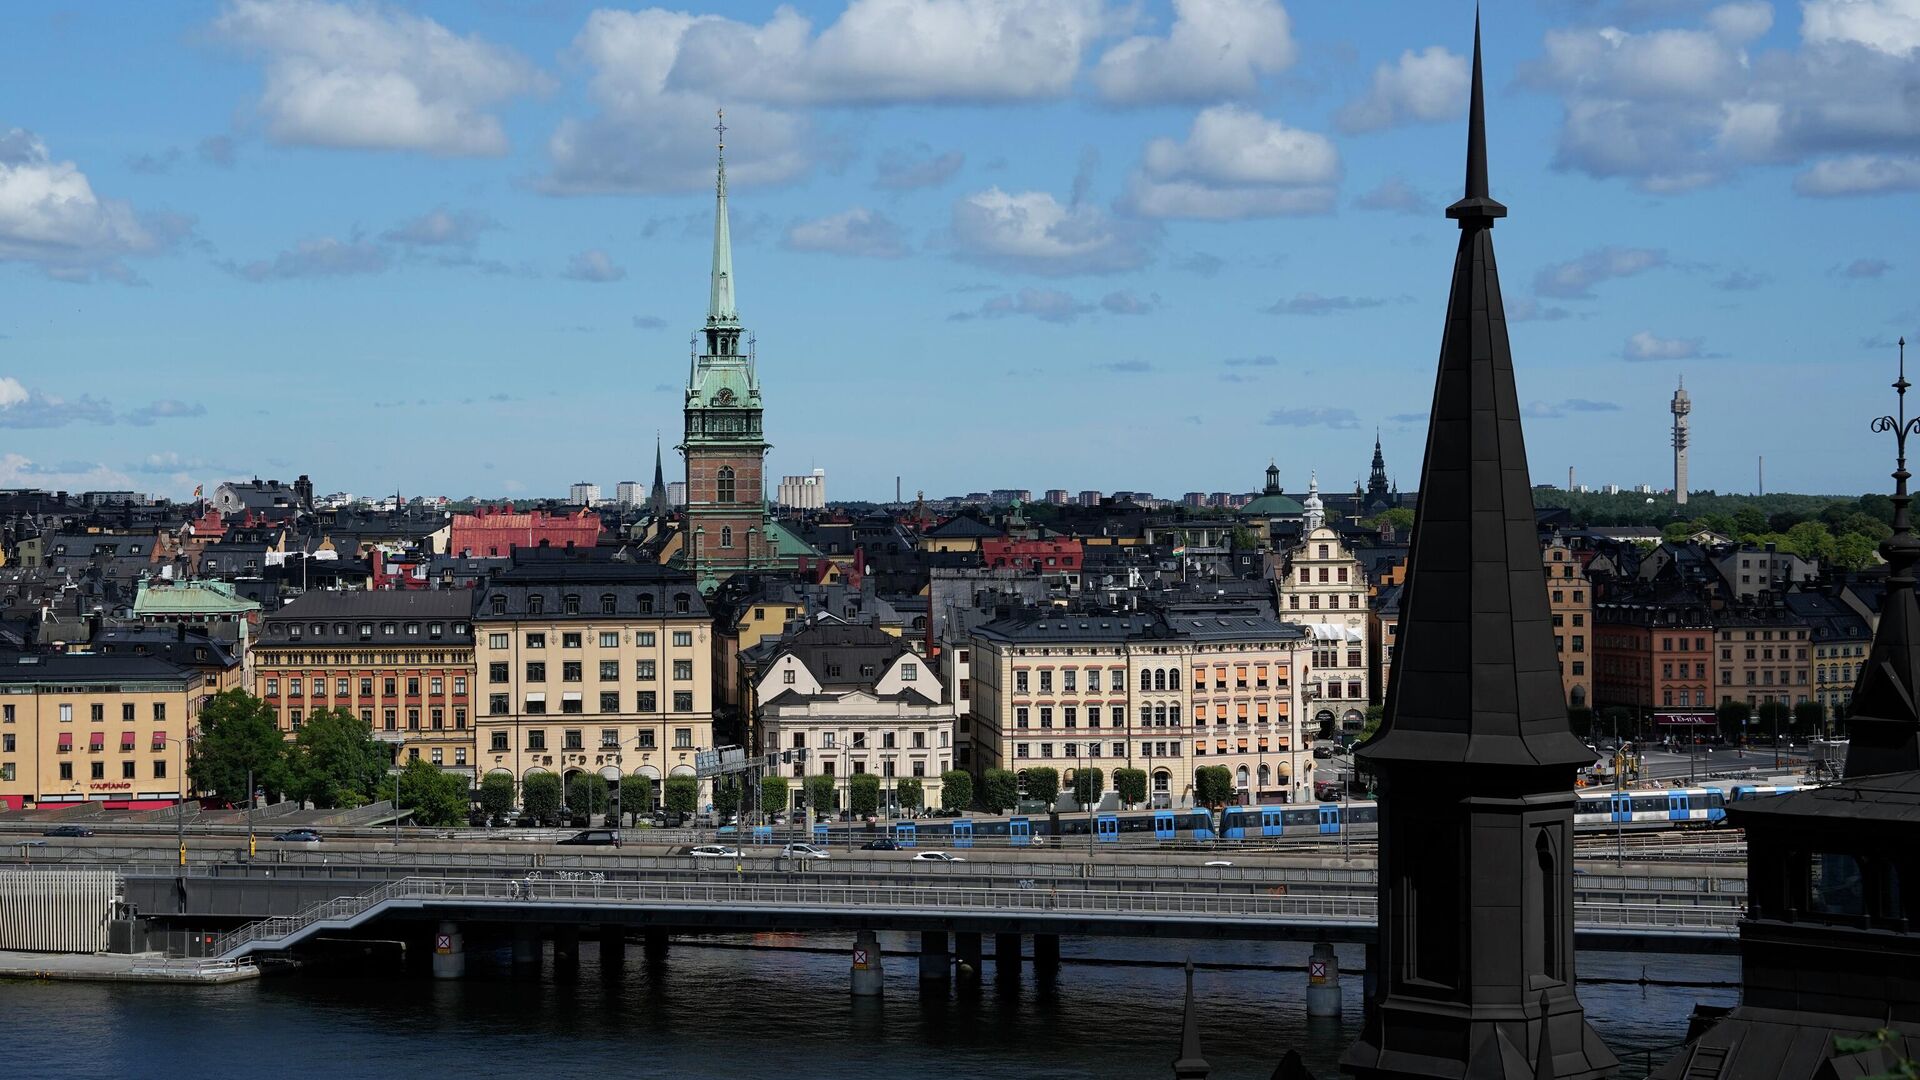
(458, 248)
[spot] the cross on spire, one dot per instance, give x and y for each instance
(720, 128)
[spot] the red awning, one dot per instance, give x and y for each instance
(126, 740)
(66, 740)
(159, 740)
(98, 740)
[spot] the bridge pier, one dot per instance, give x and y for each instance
(1006, 954)
(613, 944)
(869, 972)
(449, 952)
(966, 944)
(1370, 980)
(655, 943)
(1323, 980)
(526, 946)
(566, 944)
(935, 964)
(1046, 952)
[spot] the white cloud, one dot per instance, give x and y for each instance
(324, 257)
(1423, 87)
(441, 228)
(1236, 163)
(50, 217)
(25, 407)
(1124, 302)
(1890, 26)
(1575, 278)
(1215, 49)
(858, 231)
(1859, 174)
(1397, 195)
(1031, 231)
(165, 409)
(11, 392)
(1646, 346)
(902, 170)
(18, 470)
(1049, 305)
(1307, 303)
(1864, 268)
(593, 265)
(371, 77)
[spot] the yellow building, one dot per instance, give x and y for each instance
(1570, 598)
(592, 667)
(1322, 589)
(82, 727)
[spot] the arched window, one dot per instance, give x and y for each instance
(1159, 680)
(723, 488)
(1579, 697)
(1159, 716)
(1549, 907)
(1240, 778)
(1146, 714)
(1173, 679)
(1146, 680)
(1266, 777)
(726, 536)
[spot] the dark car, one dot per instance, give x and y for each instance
(1322, 750)
(299, 836)
(882, 844)
(68, 830)
(594, 837)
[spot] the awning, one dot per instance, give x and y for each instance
(159, 740)
(66, 740)
(1263, 744)
(97, 740)
(571, 695)
(539, 696)
(126, 741)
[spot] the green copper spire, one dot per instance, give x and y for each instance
(720, 306)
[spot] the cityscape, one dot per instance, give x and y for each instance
(1401, 756)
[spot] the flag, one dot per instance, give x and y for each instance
(197, 489)
(1179, 549)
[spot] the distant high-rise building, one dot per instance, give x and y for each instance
(628, 493)
(583, 494)
(1057, 497)
(1682, 405)
(808, 492)
(1195, 499)
(1088, 498)
(677, 493)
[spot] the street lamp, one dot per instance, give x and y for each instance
(180, 819)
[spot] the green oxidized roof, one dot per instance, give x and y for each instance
(190, 598)
(786, 544)
(1271, 506)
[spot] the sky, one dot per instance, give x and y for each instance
(460, 248)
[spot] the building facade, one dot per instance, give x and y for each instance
(1763, 656)
(401, 661)
(93, 728)
(601, 668)
(1570, 599)
(1322, 589)
(583, 494)
(499, 531)
(1654, 656)
(808, 492)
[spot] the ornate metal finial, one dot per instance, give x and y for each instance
(720, 128)
(1901, 549)
(1898, 423)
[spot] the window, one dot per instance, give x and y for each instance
(536, 604)
(609, 671)
(683, 738)
(537, 705)
(126, 711)
(683, 639)
(648, 701)
(1020, 681)
(682, 605)
(723, 485)
(570, 671)
(726, 536)
(572, 739)
(609, 639)
(683, 701)
(536, 641)
(1046, 681)
(496, 705)
(386, 688)
(460, 718)
(294, 688)
(413, 719)
(1093, 679)
(536, 739)
(366, 687)
(1020, 716)
(496, 641)
(459, 685)
(643, 639)
(787, 677)
(413, 687)
(643, 670)
(609, 701)
(645, 741)
(536, 671)
(160, 710)
(682, 670)
(273, 687)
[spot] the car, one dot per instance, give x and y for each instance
(714, 851)
(798, 850)
(1322, 750)
(936, 856)
(593, 837)
(882, 844)
(68, 830)
(298, 836)
(1217, 862)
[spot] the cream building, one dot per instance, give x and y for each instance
(1322, 589)
(857, 700)
(1164, 691)
(1570, 598)
(603, 668)
(83, 727)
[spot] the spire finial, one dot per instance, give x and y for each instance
(720, 127)
(721, 309)
(1477, 203)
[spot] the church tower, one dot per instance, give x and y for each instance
(1474, 755)
(725, 447)
(1379, 493)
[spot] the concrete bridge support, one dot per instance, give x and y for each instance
(1046, 952)
(613, 945)
(526, 946)
(1006, 954)
(935, 964)
(966, 946)
(656, 943)
(869, 971)
(1323, 981)
(449, 952)
(566, 944)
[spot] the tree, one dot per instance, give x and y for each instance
(1212, 785)
(636, 795)
(863, 794)
(238, 732)
(1043, 784)
(1866, 525)
(956, 790)
(1244, 539)
(1676, 532)
(1089, 784)
(1774, 718)
(683, 797)
(1855, 551)
(726, 795)
(1733, 717)
(820, 793)
(1375, 714)
(909, 793)
(540, 797)
(1131, 785)
(1618, 718)
(1400, 519)
(434, 797)
(1809, 717)
(1749, 521)
(999, 790)
(1580, 719)
(496, 796)
(775, 795)
(338, 763)
(586, 795)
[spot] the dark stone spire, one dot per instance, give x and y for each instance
(658, 499)
(1377, 479)
(1474, 756)
(1190, 1065)
(1884, 723)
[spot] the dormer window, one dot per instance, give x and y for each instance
(536, 604)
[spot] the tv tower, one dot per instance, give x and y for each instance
(1682, 405)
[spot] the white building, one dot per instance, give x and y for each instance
(584, 494)
(629, 493)
(677, 493)
(1323, 589)
(807, 492)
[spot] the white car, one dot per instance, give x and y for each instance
(1217, 862)
(714, 851)
(936, 856)
(798, 850)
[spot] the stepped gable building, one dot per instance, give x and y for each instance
(1474, 758)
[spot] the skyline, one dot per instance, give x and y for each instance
(385, 225)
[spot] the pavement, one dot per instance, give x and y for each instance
(121, 967)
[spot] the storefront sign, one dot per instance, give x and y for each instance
(110, 785)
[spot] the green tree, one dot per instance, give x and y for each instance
(1749, 521)
(956, 790)
(540, 796)
(726, 795)
(909, 793)
(820, 793)
(1676, 532)
(683, 797)
(1733, 717)
(1809, 717)
(1399, 518)
(1618, 717)
(1580, 719)
(238, 732)
(1089, 784)
(1212, 785)
(636, 795)
(863, 794)
(1244, 539)
(496, 796)
(1043, 784)
(1375, 714)
(1878, 507)
(586, 795)
(1855, 551)
(1131, 785)
(1720, 523)
(1809, 540)
(338, 763)
(999, 790)
(434, 797)
(1866, 525)
(1775, 719)
(775, 795)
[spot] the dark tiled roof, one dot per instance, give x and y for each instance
(389, 617)
(963, 527)
(178, 645)
(85, 668)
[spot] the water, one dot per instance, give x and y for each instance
(721, 1012)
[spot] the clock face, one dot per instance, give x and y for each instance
(724, 397)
